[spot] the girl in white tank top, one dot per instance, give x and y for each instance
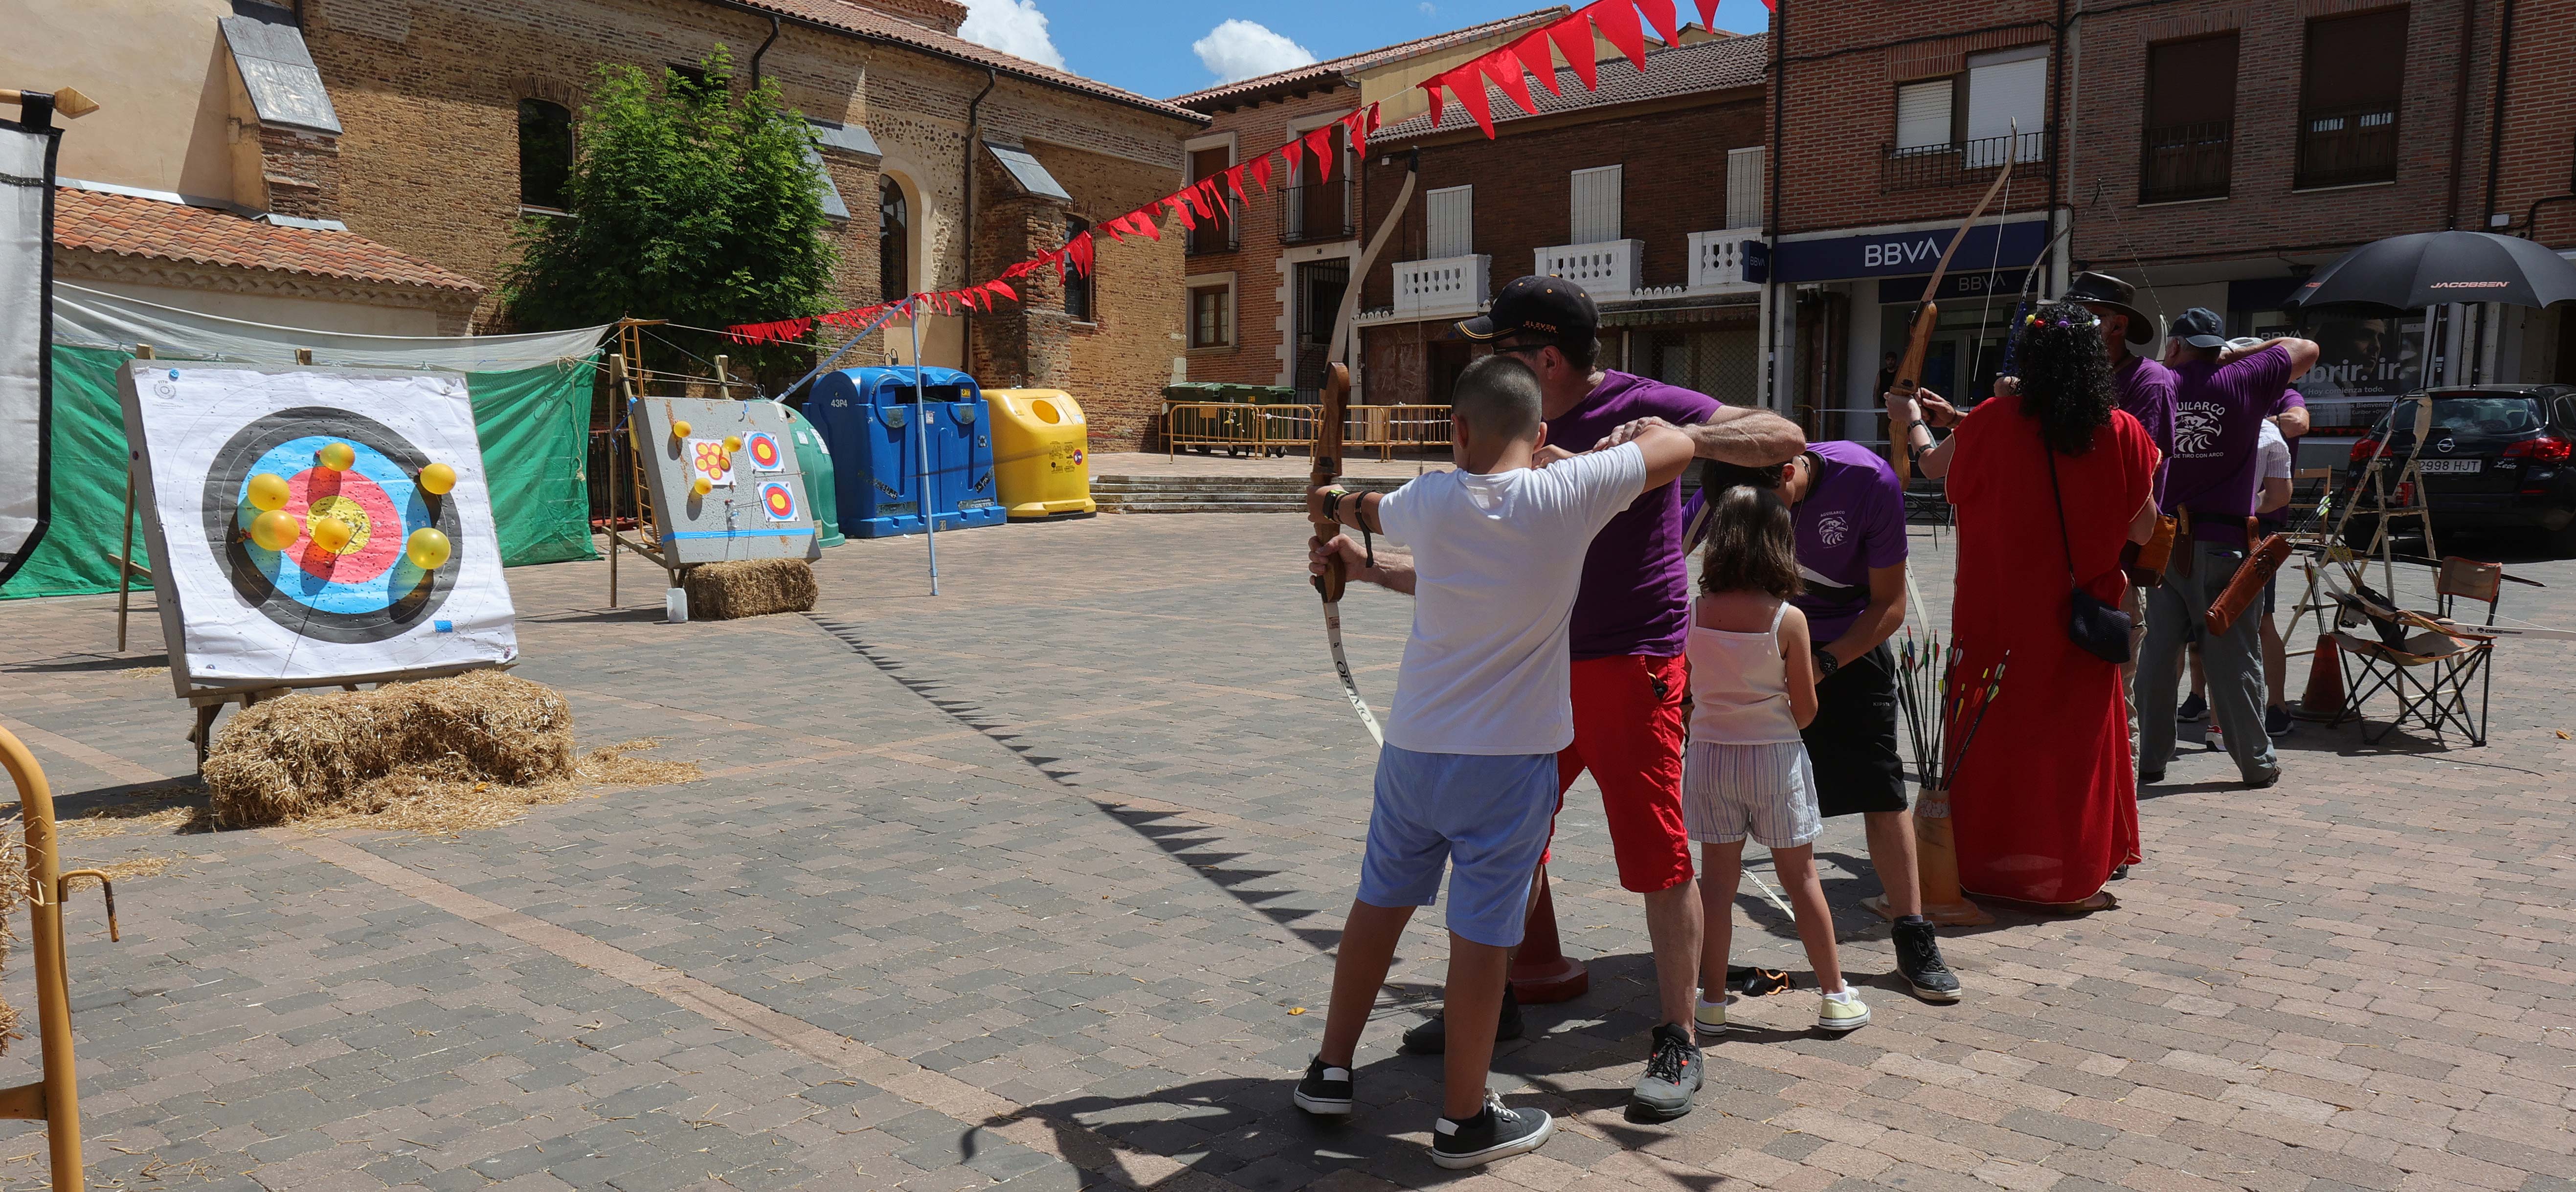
(1745, 772)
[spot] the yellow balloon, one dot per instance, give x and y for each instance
(701, 487)
(679, 428)
(339, 457)
(437, 479)
(268, 491)
(275, 530)
(733, 443)
(332, 534)
(426, 549)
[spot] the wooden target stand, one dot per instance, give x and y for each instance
(208, 703)
(632, 500)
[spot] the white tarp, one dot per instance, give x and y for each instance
(97, 319)
(243, 614)
(26, 194)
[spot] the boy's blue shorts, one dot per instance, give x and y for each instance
(1489, 814)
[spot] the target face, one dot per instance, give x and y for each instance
(778, 500)
(366, 591)
(762, 447)
(707, 458)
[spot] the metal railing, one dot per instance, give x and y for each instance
(1317, 211)
(2348, 146)
(2185, 161)
(1958, 164)
(1215, 235)
(1276, 429)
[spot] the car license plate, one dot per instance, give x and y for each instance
(2449, 466)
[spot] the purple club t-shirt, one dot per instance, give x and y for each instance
(2216, 459)
(2146, 391)
(1635, 597)
(1851, 520)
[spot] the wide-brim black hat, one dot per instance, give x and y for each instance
(2104, 290)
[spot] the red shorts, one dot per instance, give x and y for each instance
(1628, 732)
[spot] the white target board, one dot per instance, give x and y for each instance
(361, 570)
(26, 296)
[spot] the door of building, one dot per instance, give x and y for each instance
(1318, 299)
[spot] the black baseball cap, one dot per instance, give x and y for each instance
(2201, 328)
(1549, 307)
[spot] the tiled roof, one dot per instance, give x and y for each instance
(137, 227)
(880, 26)
(1365, 58)
(1719, 64)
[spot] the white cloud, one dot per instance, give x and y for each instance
(1013, 27)
(1428, 9)
(1240, 49)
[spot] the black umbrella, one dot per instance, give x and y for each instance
(2432, 268)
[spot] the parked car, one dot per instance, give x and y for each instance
(2498, 458)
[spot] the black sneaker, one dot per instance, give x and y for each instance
(1432, 1037)
(1325, 1090)
(1494, 1133)
(2193, 708)
(1918, 960)
(2276, 721)
(1673, 1076)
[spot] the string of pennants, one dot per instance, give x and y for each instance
(1623, 23)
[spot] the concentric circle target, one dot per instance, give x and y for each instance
(369, 591)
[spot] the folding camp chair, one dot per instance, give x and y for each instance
(2428, 664)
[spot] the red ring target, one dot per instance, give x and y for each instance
(765, 455)
(778, 500)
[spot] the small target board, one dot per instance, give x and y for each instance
(312, 525)
(753, 503)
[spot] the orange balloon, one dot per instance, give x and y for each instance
(275, 530)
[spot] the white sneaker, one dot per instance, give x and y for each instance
(1842, 1011)
(1711, 1017)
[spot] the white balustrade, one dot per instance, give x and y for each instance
(1443, 286)
(1608, 269)
(1716, 260)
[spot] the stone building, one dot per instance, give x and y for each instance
(432, 127)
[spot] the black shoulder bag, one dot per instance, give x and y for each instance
(2096, 628)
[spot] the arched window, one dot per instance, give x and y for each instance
(1080, 288)
(894, 234)
(545, 154)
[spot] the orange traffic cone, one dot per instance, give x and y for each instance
(2323, 700)
(1541, 971)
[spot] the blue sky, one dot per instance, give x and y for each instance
(1143, 46)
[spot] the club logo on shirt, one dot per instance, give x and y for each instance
(2197, 426)
(1832, 528)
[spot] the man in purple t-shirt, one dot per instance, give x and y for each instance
(1630, 618)
(1849, 511)
(2221, 397)
(2146, 391)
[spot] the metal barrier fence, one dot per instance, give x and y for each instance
(1236, 428)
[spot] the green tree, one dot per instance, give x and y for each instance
(689, 203)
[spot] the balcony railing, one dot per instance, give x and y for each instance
(2348, 146)
(1443, 286)
(1931, 166)
(1318, 211)
(1214, 235)
(2185, 161)
(1716, 260)
(1607, 269)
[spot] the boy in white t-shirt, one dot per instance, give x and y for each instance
(1467, 778)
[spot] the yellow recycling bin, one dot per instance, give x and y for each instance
(1041, 454)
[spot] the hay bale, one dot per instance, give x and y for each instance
(749, 588)
(317, 755)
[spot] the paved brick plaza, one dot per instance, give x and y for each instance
(1026, 884)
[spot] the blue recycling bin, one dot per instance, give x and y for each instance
(866, 418)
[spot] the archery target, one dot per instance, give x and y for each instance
(778, 500)
(708, 460)
(766, 456)
(235, 610)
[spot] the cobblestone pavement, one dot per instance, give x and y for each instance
(1030, 883)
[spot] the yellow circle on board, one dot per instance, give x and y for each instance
(275, 530)
(339, 457)
(348, 515)
(426, 548)
(268, 491)
(437, 479)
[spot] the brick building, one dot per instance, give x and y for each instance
(1265, 281)
(1643, 191)
(431, 127)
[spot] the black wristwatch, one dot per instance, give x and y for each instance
(1826, 664)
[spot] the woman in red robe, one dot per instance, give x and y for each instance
(2043, 802)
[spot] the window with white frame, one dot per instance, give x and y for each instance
(1596, 206)
(1211, 310)
(1744, 187)
(1449, 222)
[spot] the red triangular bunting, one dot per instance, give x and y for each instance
(1234, 181)
(1618, 22)
(1659, 17)
(1573, 37)
(1504, 67)
(1433, 86)
(1260, 170)
(1536, 53)
(1467, 85)
(1142, 219)
(1319, 145)
(1708, 14)
(1078, 250)
(1180, 205)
